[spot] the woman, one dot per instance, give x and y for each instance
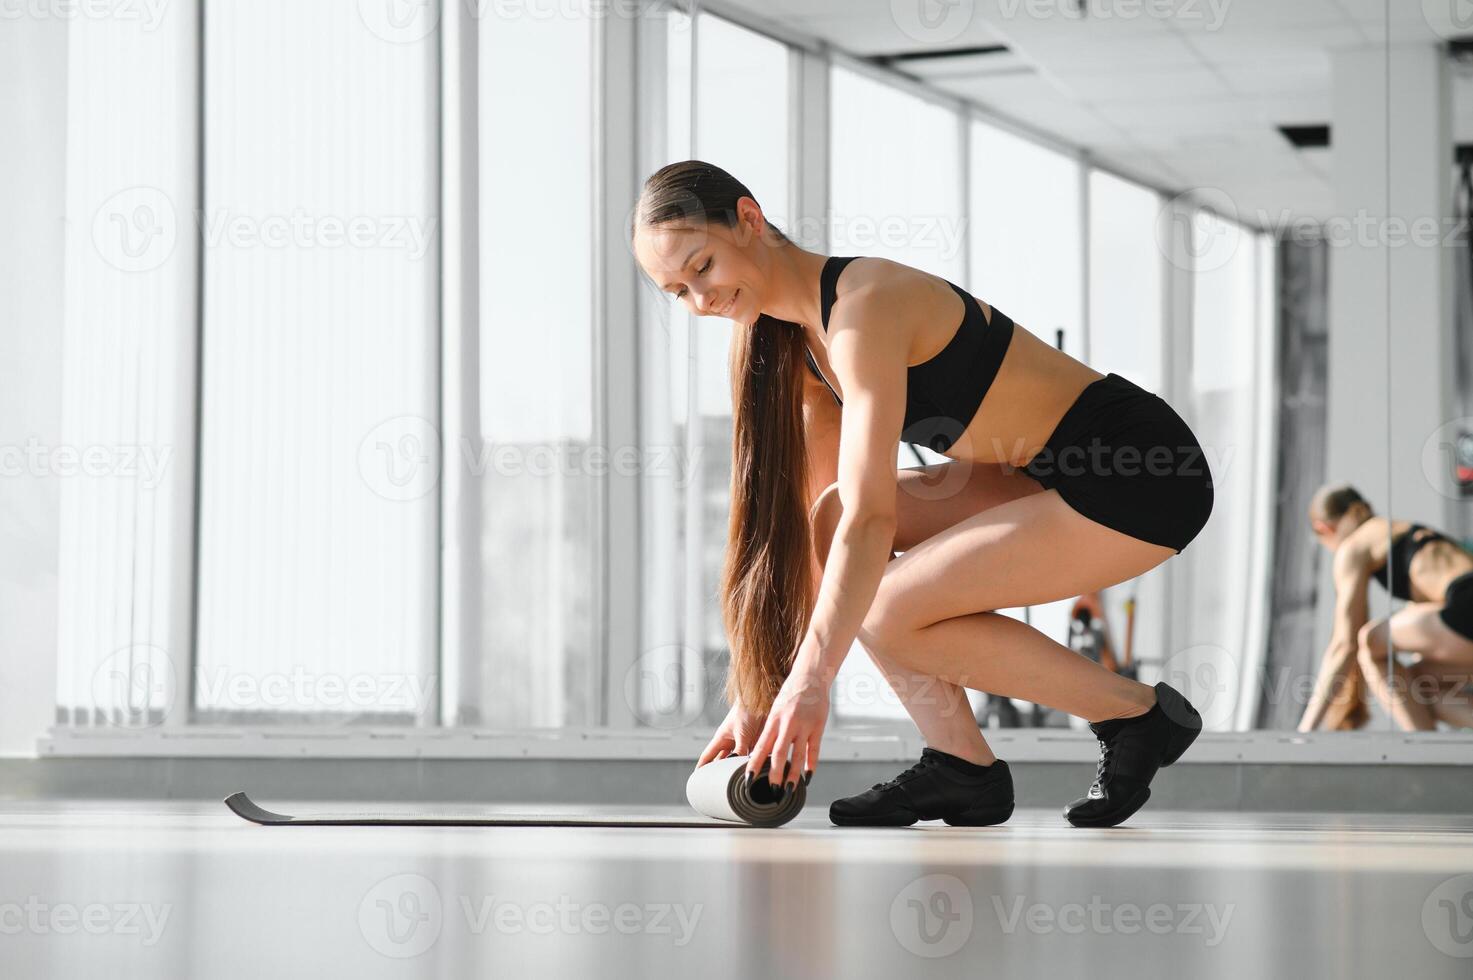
(1048, 494)
(1426, 568)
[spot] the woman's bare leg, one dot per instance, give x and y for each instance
(938, 576)
(929, 499)
(1452, 704)
(1413, 702)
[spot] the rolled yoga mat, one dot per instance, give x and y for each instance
(714, 790)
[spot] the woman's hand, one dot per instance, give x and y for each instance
(736, 736)
(796, 722)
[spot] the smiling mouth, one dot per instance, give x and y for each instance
(730, 305)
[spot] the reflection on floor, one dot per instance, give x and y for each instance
(129, 890)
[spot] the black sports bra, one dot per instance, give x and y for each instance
(1403, 548)
(941, 394)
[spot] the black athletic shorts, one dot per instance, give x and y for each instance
(1122, 457)
(1457, 605)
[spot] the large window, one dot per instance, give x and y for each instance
(317, 517)
(126, 460)
(740, 86)
(1127, 336)
(1226, 398)
(537, 599)
(1125, 280)
(1027, 256)
(886, 196)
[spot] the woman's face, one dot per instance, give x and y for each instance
(707, 267)
(1331, 533)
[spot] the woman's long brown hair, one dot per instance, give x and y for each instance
(767, 577)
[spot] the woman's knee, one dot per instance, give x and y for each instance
(891, 622)
(1371, 642)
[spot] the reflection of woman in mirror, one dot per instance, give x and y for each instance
(1435, 575)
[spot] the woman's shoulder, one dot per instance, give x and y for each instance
(876, 271)
(897, 286)
(1368, 543)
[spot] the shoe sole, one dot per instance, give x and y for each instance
(1115, 818)
(973, 819)
(981, 818)
(892, 820)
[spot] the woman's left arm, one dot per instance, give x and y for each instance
(868, 349)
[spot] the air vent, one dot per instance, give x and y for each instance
(1306, 136)
(899, 57)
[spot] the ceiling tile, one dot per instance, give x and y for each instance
(1143, 87)
(1275, 45)
(1116, 54)
(1268, 77)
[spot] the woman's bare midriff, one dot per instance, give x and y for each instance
(1435, 564)
(1034, 387)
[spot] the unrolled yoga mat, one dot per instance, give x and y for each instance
(714, 790)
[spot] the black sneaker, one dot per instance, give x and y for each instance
(942, 786)
(1131, 750)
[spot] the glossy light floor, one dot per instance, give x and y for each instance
(162, 890)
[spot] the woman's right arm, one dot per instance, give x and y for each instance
(1351, 612)
(739, 730)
